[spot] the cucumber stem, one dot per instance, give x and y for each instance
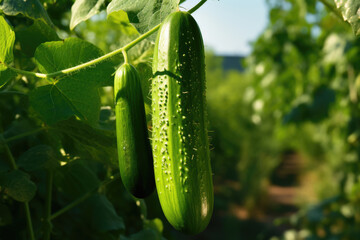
(99, 59)
(126, 60)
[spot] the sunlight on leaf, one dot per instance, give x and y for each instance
(350, 9)
(82, 10)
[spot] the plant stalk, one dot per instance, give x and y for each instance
(73, 204)
(25, 134)
(83, 198)
(99, 59)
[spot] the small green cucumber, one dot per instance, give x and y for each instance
(179, 137)
(134, 150)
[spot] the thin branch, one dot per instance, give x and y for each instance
(82, 198)
(8, 152)
(24, 134)
(197, 6)
(29, 222)
(73, 204)
(99, 59)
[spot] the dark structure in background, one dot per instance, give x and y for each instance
(232, 63)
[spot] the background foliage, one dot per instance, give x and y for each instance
(297, 99)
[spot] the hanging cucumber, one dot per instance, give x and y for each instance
(180, 142)
(134, 150)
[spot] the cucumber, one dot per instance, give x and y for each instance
(179, 137)
(134, 150)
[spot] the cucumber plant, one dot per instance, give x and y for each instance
(57, 107)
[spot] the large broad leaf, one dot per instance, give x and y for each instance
(144, 15)
(29, 8)
(83, 10)
(18, 185)
(31, 37)
(76, 179)
(81, 139)
(69, 97)
(6, 75)
(101, 214)
(75, 94)
(38, 157)
(350, 9)
(7, 39)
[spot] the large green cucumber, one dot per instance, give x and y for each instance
(179, 137)
(134, 150)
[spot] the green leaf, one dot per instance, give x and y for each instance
(324, 97)
(101, 214)
(29, 8)
(68, 97)
(76, 179)
(82, 10)
(40, 156)
(7, 39)
(6, 75)
(144, 15)
(81, 139)
(59, 55)
(31, 37)
(141, 52)
(18, 185)
(350, 10)
(121, 19)
(315, 111)
(72, 95)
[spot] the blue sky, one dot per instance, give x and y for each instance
(228, 26)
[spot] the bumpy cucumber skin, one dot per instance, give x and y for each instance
(179, 137)
(134, 150)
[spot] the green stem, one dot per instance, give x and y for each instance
(27, 73)
(24, 134)
(29, 222)
(73, 204)
(126, 60)
(11, 157)
(49, 184)
(83, 198)
(197, 6)
(332, 8)
(99, 59)
(92, 62)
